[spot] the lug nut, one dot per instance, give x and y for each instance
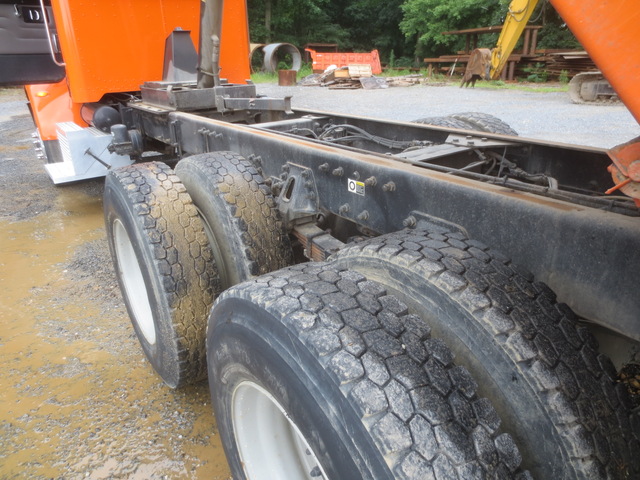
(410, 221)
(371, 182)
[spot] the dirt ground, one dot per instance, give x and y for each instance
(78, 398)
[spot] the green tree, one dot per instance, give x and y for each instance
(554, 32)
(359, 25)
(425, 20)
(293, 21)
(373, 24)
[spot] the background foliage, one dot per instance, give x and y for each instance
(404, 31)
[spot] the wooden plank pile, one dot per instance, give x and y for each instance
(347, 78)
(555, 62)
(359, 76)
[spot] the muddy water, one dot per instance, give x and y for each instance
(77, 397)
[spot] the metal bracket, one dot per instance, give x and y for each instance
(186, 96)
(298, 198)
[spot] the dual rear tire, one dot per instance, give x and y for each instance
(346, 369)
(164, 266)
(378, 328)
(178, 241)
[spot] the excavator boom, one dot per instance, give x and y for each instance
(518, 16)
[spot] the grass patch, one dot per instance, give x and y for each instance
(526, 87)
(264, 77)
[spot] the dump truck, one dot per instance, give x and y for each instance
(368, 299)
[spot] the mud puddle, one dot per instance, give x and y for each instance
(77, 397)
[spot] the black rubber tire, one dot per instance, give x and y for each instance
(240, 215)
(448, 122)
(555, 394)
(158, 244)
(484, 122)
(372, 393)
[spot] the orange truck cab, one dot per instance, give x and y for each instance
(84, 57)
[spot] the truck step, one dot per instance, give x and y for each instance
(81, 148)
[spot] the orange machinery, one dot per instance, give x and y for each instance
(608, 30)
(111, 47)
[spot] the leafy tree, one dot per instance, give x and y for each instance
(373, 24)
(359, 25)
(425, 20)
(554, 32)
(293, 21)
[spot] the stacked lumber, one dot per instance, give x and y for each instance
(572, 62)
(554, 62)
(359, 76)
(347, 78)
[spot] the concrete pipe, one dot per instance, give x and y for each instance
(271, 52)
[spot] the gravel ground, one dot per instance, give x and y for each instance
(546, 116)
(78, 398)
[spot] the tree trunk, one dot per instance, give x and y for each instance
(267, 19)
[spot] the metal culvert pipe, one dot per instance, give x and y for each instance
(271, 52)
(254, 48)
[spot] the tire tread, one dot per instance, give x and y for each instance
(485, 122)
(262, 243)
(416, 403)
(182, 258)
(556, 357)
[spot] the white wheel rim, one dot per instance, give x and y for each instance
(269, 442)
(134, 286)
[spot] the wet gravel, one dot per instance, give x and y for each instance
(78, 398)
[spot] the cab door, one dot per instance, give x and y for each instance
(26, 55)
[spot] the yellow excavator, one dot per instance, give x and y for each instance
(585, 87)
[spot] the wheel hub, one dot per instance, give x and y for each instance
(270, 443)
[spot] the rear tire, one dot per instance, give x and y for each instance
(316, 358)
(242, 222)
(476, 121)
(447, 122)
(483, 122)
(164, 267)
(554, 393)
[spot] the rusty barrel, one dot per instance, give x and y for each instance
(286, 78)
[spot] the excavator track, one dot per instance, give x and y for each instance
(592, 88)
